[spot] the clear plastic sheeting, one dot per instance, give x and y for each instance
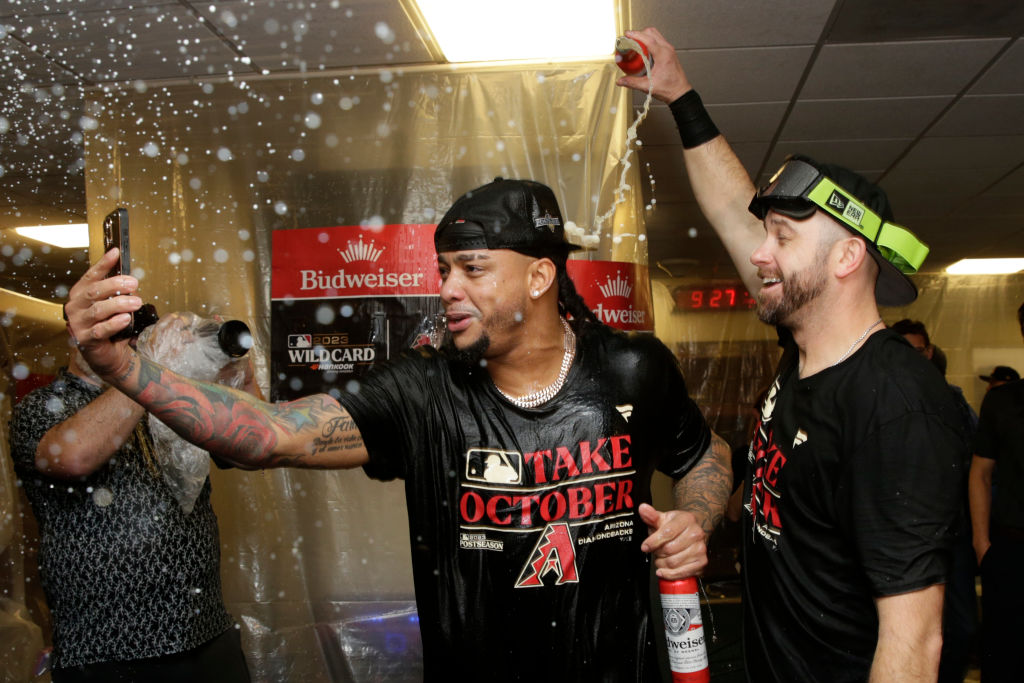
(208, 169)
(187, 344)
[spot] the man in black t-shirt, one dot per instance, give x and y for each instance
(997, 515)
(527, 446)
(857, 463)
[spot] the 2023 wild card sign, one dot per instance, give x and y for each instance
(345, 297)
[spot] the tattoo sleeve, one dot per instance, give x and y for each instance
(705, 489)
(311, 432)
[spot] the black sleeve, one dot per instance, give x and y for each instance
(899, 498)
(678, 432)
(389, 407)
(32, 417)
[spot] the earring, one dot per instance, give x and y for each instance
(535, 294)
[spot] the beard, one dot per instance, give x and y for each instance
(471, 355)
(798, 290)
(503, 320)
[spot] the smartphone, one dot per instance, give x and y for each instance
(115, 234)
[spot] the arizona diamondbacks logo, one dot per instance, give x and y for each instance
(554, 553)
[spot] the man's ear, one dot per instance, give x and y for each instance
(848, 256)
(541, 276)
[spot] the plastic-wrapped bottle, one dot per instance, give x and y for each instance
(684, 631)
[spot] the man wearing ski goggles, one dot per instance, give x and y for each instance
(856, 470)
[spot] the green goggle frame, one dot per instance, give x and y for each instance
(798, 185)
(898, 246)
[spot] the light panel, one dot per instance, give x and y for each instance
(986, 266)
(67, 236)
(476, 31)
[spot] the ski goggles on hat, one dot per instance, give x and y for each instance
(799, 189)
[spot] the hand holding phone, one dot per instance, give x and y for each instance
(115, 234)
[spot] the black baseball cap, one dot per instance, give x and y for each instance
(1001, 373)
(803, 186)
(521, 215)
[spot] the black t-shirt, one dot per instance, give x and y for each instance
(1001, 437)
(853, 493)
(523, 523)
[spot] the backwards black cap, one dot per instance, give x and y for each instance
(521, 215)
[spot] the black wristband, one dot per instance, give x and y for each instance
(693, 121)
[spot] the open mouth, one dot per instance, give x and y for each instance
(457, 322)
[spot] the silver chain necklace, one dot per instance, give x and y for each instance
(854, 344)
(547, 393)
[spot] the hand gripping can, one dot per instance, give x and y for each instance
(684, 631)
(627, 56)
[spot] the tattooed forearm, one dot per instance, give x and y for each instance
(211, 416)
(704, 491)
(310, 432)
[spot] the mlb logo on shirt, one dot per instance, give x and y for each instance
(494, 466)
(300, 341)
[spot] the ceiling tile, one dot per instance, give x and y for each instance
(1004, 77)
(321, 35)
(885, 20)
(745, 75)
(738, 122)
(994, 114)
(897, 69)
(737, 23)
(867, 157)
(862, 119)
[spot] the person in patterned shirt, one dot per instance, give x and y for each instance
(132, 581)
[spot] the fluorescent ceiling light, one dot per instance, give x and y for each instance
(72, 236)
(986, 266)
(481, 31)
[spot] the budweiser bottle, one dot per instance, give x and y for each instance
(684, 631)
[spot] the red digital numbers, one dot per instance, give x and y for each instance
(723, 298)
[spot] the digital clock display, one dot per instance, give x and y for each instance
(713, 298)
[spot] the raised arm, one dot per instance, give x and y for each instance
(314, 432)
(720, 183)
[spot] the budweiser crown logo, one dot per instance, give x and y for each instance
(360, 252)
(617, 287)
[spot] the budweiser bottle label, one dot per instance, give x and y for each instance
(684, 631)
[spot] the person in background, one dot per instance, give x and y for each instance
(1000, 375)
(960, 617)
(851, 497)
(527, 446)
(131, 580)
(997, 517)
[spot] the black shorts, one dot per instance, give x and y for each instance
(219, 660)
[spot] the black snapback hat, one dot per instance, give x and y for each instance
(1001, 373)
(803, 186)
(521, 215)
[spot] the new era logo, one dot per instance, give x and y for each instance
(846, 207)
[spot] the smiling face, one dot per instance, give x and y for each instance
(485, 294)
(792, 263)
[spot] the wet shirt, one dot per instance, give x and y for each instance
(1001, 437)
(853, 492)
(523, 522)
(127, 574)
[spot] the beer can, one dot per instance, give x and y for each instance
(627, 56)
(684, 631)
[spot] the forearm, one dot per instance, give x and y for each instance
(909, 636)
(704, 490)
(84, 442)
(723, 191)
(980, 499)
(311, 432)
